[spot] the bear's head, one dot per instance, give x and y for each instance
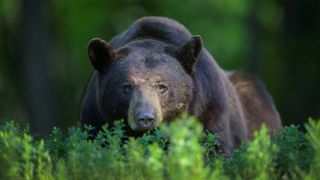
(144, 82)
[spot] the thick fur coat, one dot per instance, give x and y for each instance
(231, 104)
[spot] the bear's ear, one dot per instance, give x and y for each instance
(100, 53)
(189, 53)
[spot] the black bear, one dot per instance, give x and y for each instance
(156, 70)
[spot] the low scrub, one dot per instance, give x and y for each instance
(180, 150)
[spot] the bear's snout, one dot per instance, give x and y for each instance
(145, 119)
(144, 111)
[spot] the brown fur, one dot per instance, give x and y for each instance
(160, 50)
(257, 105)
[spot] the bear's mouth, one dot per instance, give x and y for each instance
(144, 127)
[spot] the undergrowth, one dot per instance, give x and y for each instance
(180, 150)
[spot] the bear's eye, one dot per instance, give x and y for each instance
(127, 88)
(162, 88)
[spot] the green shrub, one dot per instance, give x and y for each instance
(313, 134)
(21, 157)
(178, 151)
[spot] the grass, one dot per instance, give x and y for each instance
(180, 150)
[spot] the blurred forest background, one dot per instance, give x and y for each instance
(44, 65)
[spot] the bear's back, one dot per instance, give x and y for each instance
(157, 28)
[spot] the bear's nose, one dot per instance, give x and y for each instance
(146, 118)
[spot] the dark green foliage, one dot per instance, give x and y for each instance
(178, 151)
(294, 152)
(275, 40)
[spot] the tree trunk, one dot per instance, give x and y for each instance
(38, 86)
